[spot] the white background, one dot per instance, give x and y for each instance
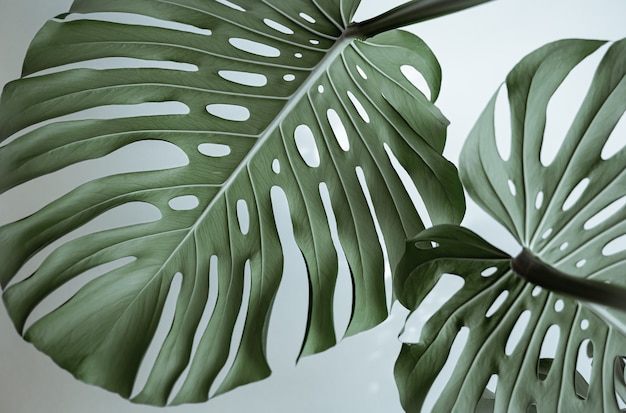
(476, 49)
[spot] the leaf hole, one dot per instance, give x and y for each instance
(320, 89)
(447, 286)
(605, 214)
(339, 129)
(488, 272)
(231, 5)
(584, 324)
(289, 77)
(243, 216)
(138, 20)
(416, 79)
(492, 384)
(298, 55)
(581, 263)
(314, 41)
(165, 324)
(584, 365)
(564, 246)
(615, 246)
(342, 299)
(359, 107)
(216, 150)
(307, 17)
(548, 351)
(546, 233)
(361, 72)
(244, 78)
(616, 142)
(237, 330)
(502, 123)
(576, 194)
(446, 372)
(252, 47)
(224, 111)
(559, 305)
(184, 203)
(512, 187)
(205, 318)
(277, 26)
(305, 142)
(516, 333)
(536, 291)
(405, 178)
(276, 166)
(539, 200)
(497, 303)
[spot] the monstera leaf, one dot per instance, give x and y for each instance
(262, 97)
(524, 348)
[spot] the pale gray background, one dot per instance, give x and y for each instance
(476, 49)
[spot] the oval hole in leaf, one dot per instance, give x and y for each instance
(536, 291)
(243, 216)
(231, 5)
(584, 365)
(252, 47)
(616, 141)
(488, 272)
(564, 246)
(361, 72)
(492, 384)
(359, 107)
(184, 203)
(417, 79)
(289, 77)
(229, 112)
(576, 193)
(307, 17)
(277, 26)
(584, 324)
(512, 188)
(164, 326)
(502, 123)
(216, 150)
(516, 333)
(276, 166)
(539, 200)
(305, 142)
(615, 246)
(605, 214)
(548, 351)
(244, 78)
(313, 41)
(447, 370)
(497, 303)
(338, 129)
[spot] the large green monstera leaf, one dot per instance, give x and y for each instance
(519, 347)
(283, 97)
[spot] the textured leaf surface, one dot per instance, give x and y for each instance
(527, 349)
(265, 86)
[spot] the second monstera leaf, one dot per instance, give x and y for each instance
(524, 348)
(276, 96)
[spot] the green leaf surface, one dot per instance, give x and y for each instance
(546, 352)
(303, 61)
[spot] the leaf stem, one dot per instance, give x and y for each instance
(530, 268)
(411, 12)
